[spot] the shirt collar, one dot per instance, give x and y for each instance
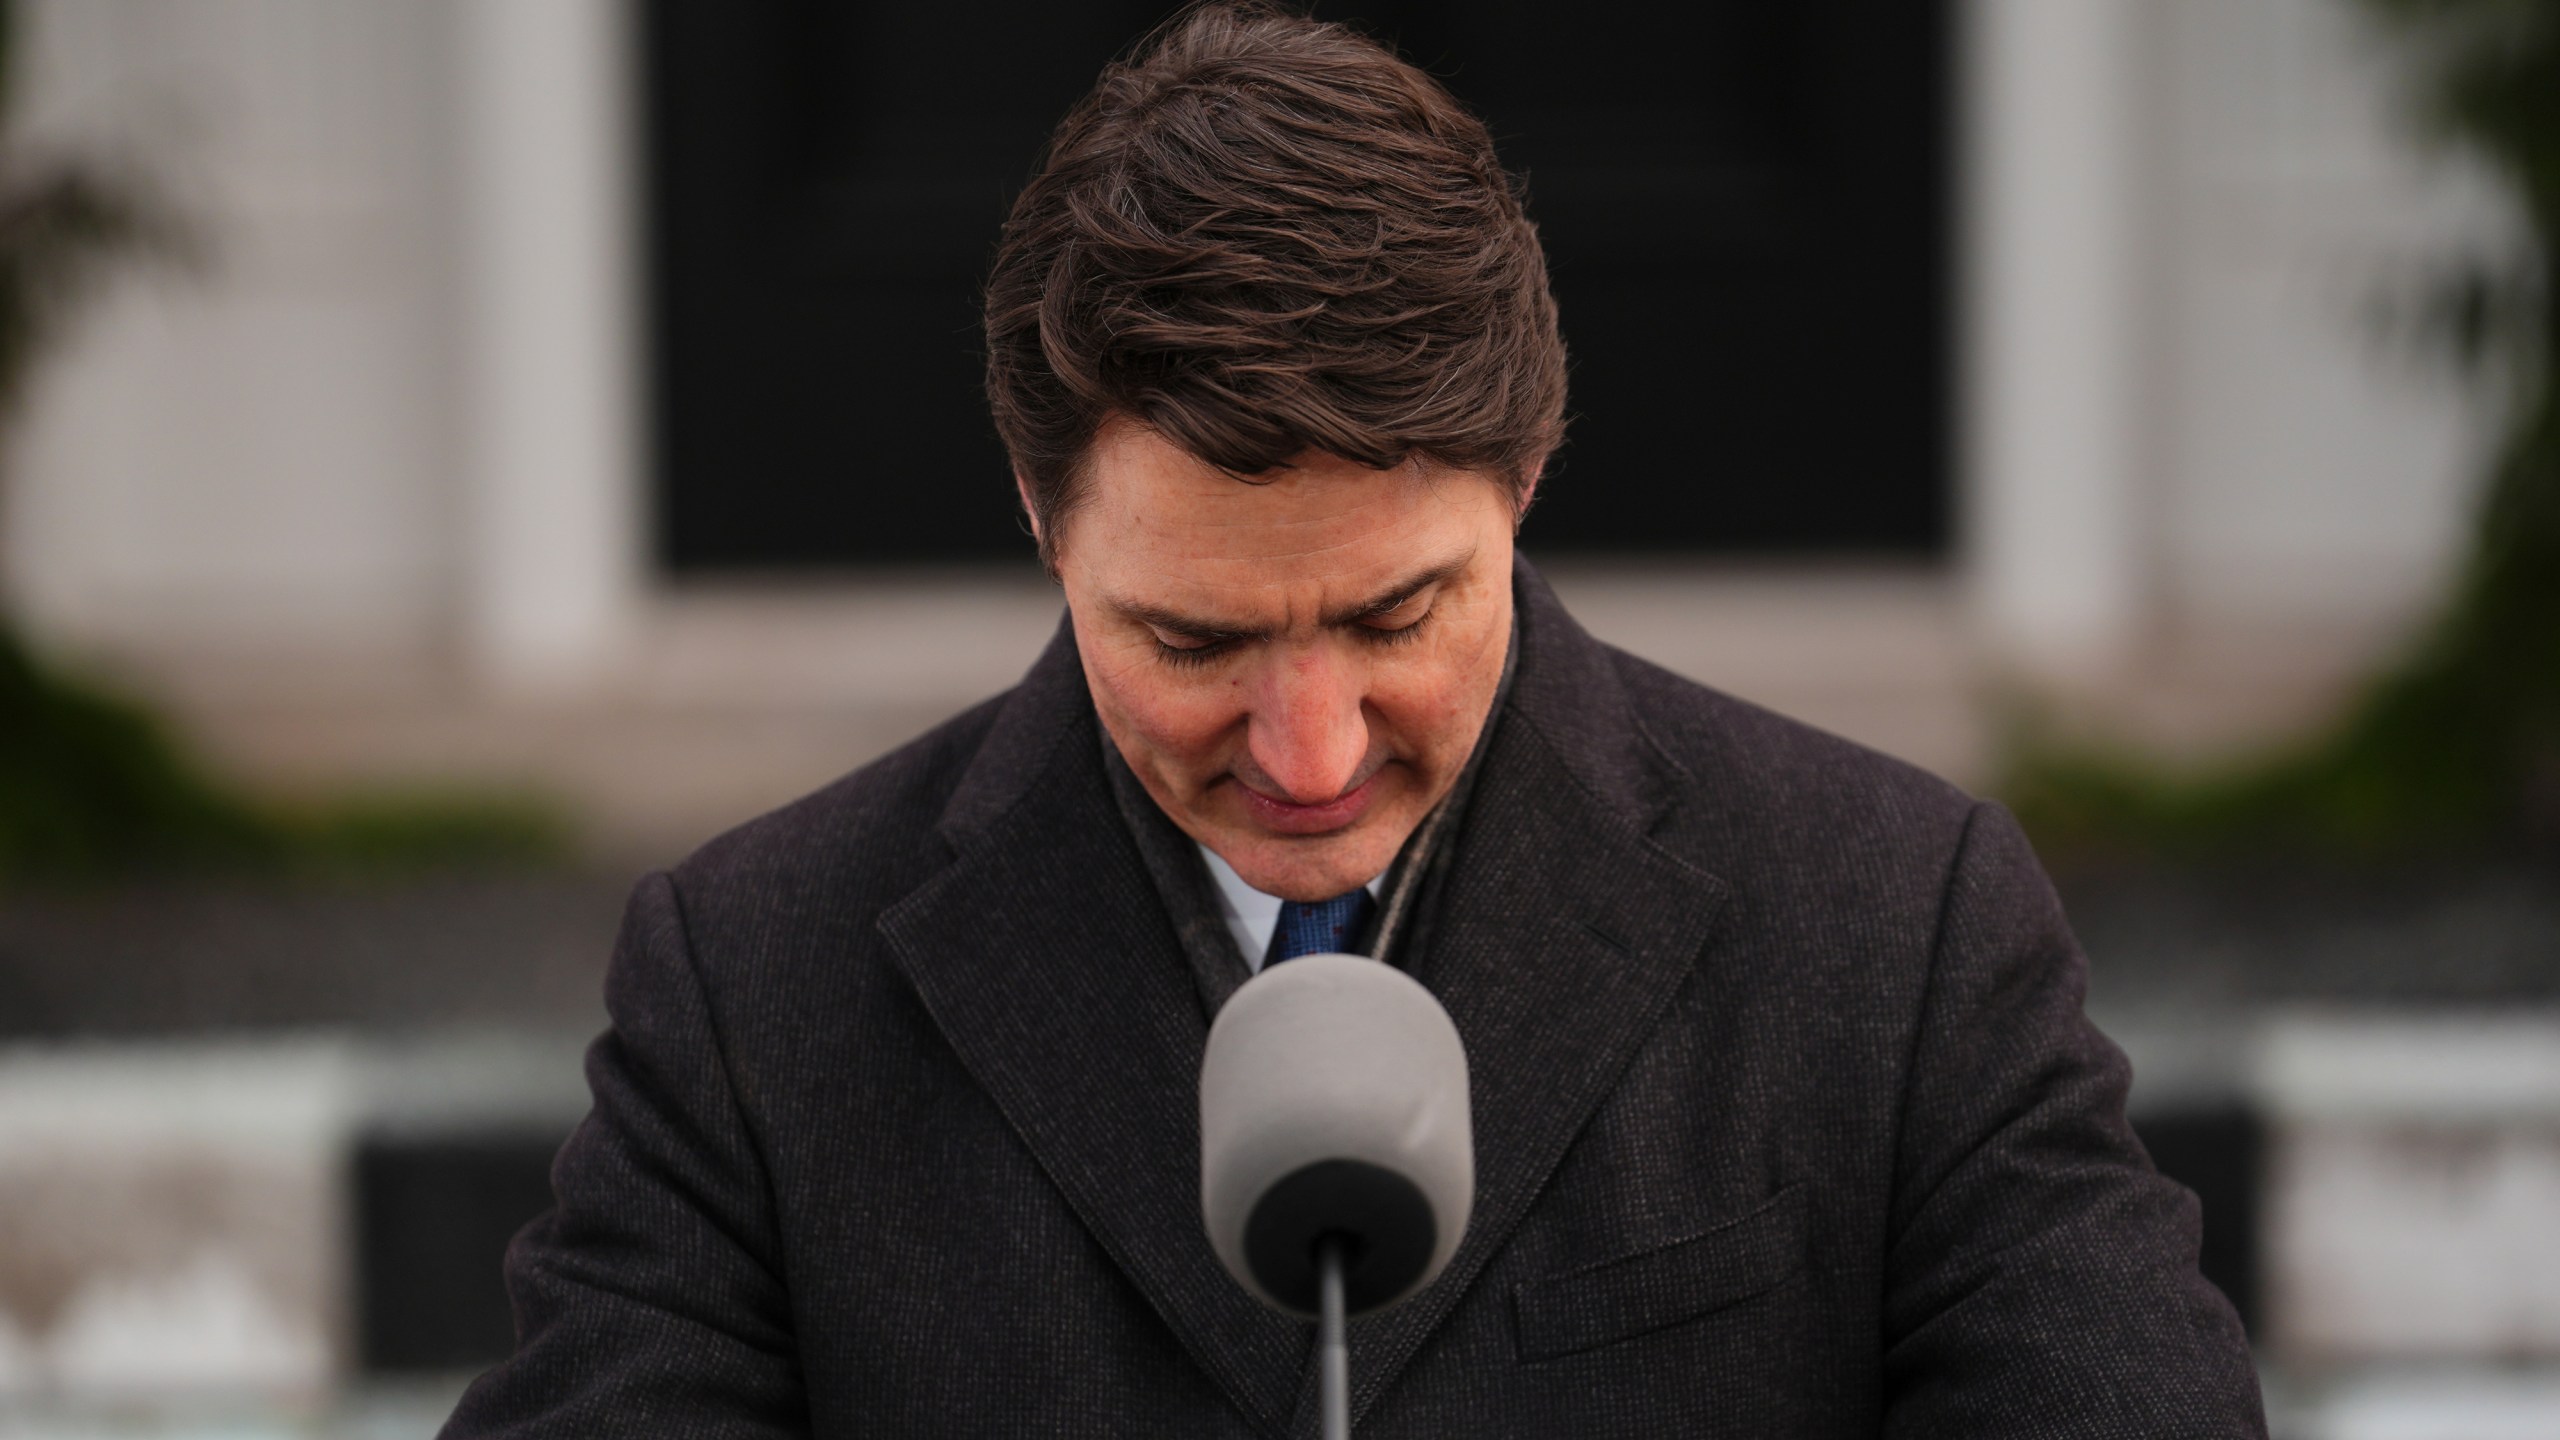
(1250, 915)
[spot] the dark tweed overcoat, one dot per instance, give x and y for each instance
(1788, 1122)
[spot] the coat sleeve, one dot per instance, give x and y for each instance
(650, 1300)
(2040, 1276)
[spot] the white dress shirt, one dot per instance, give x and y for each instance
(1251, 915)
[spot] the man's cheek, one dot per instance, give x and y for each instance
(1409, 724)
(1180, 724)
(1424, 697)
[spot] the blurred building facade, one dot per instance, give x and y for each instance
(373, 494)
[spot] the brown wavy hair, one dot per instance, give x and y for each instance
(1262, 234)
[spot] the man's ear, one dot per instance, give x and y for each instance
(1528, 491)
(1030, 512)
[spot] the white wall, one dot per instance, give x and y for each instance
(2183, 219)
(2308, 464)
(262, 454)
(393, 422)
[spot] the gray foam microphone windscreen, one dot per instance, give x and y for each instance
(1333, 1100)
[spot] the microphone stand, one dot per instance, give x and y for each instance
(1333, 1343)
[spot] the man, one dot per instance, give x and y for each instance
(1787, 1118)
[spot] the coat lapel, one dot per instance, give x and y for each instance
(1046, 957)
(1563, 937)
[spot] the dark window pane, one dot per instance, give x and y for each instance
(1743, 204)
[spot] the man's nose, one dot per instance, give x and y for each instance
(1308, 733)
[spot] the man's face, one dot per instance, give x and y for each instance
(1297, 670)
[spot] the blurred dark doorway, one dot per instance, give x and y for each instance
(1743, 203)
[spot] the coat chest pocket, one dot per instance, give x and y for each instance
(1725, 1264)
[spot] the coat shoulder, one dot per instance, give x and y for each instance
(817, 871)
(1801, 820)
(1752, 757)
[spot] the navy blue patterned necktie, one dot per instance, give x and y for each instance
(1320, 927)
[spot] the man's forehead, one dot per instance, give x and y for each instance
(1225, 600)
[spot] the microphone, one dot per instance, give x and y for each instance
(1337, 1156)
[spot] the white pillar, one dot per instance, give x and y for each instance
(2050, 315)
(550, 356)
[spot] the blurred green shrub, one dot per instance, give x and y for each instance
(92, 787)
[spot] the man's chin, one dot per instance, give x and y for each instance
(1306, 868)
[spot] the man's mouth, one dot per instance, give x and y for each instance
(1287, 817)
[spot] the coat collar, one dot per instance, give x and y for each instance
(1046, 956)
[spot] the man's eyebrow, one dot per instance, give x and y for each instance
(1188, 626)
(1194, 627)
(1403, 590)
